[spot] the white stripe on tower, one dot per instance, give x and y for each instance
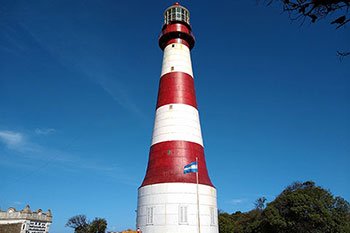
(177, 58)
(177, 122)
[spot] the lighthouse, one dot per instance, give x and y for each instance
(177, 195)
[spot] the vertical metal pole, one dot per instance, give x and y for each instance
(199, 222)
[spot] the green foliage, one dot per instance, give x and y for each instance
(305, 207)
(99, 225)
(301, 207)
(225, 223)
(80, 224)
(240, 222)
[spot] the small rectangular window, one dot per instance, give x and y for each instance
(183, 214)
(172, 68)
(149, 220)
(212, 216)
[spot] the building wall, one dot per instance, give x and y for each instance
(25, 221)
(10, 228)
(172, 207)
(26, 226)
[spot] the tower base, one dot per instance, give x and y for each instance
(172, 208)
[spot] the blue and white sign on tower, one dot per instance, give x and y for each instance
(192, 167)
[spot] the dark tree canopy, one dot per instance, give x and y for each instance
(301, 207)
(314, 10)
(98, 225)
(80, 224)
(305, 207)
(226, 223)
(260, 203)
(317, 9)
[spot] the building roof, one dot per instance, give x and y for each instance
(26, 214)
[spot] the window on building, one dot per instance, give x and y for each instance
(183, 214)
(149, 219)
(212, 216)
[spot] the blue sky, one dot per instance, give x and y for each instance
(78, 88)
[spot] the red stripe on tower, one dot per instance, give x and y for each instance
(176, 87)
(166, 160)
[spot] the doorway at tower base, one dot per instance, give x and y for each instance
(172, 208)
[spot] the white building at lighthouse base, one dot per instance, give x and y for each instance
(172, 208)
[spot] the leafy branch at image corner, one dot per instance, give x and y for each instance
(315, 10)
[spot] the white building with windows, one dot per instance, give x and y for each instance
(25, 221)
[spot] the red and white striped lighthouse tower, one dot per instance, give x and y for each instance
(170, 201)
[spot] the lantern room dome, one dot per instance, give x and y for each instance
(176, 13)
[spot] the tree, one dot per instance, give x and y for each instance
(314, 10)
(239, 222)
(260, 203)
(301, 207)
(226, 223)
(98, 225)
(305, 207)
(317, 9)
(80, 224)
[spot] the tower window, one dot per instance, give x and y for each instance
(183, 214)
(212, 216)
(172, 68)
(149, 218)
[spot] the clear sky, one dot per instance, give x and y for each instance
(78, 88)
